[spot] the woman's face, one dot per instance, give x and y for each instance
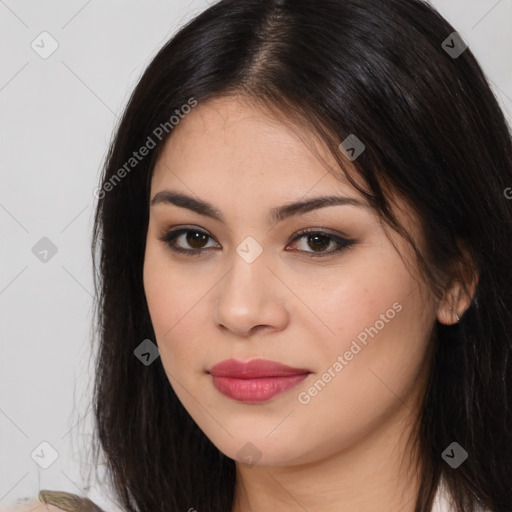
(355, 320)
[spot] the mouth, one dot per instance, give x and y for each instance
(255, 381)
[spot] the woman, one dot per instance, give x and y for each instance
(321, 185)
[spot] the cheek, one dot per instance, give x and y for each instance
(167, 293)
(173, 308)
(381, 325)
(353, 298)
(350, 397)
(159, 284)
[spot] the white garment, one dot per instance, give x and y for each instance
(443, 502)
(102, 498)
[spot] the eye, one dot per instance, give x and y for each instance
(196, 239)
(317, 240)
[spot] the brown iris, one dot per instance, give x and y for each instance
(317, 244)
(196, 237)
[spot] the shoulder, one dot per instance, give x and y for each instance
(30, 505)
(54, 501)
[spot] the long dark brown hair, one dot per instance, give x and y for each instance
(434, 134)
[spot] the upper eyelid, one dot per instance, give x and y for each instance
(312, 229)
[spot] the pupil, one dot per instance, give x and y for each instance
(316, 244)
(192, 240)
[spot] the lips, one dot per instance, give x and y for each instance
(257, 380)
(256, 368)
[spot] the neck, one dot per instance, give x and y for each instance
(368, 476)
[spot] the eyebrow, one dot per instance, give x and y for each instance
(274, 216)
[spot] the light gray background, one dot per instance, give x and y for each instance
(57, 117)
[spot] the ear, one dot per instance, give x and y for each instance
(454, 303)
(459, 293)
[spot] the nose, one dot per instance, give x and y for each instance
(250, 298)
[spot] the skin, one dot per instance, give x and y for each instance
(344, 450)
(31, 506)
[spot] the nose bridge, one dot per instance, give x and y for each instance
(247, 295)
(245, 280)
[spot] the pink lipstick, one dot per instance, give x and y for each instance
(255, 381)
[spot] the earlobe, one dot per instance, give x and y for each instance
(455, 313)
(454, 304)
(448, 312)
(459, 293)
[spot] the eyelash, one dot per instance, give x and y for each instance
(169, 237)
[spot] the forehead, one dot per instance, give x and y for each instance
(230, 144)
